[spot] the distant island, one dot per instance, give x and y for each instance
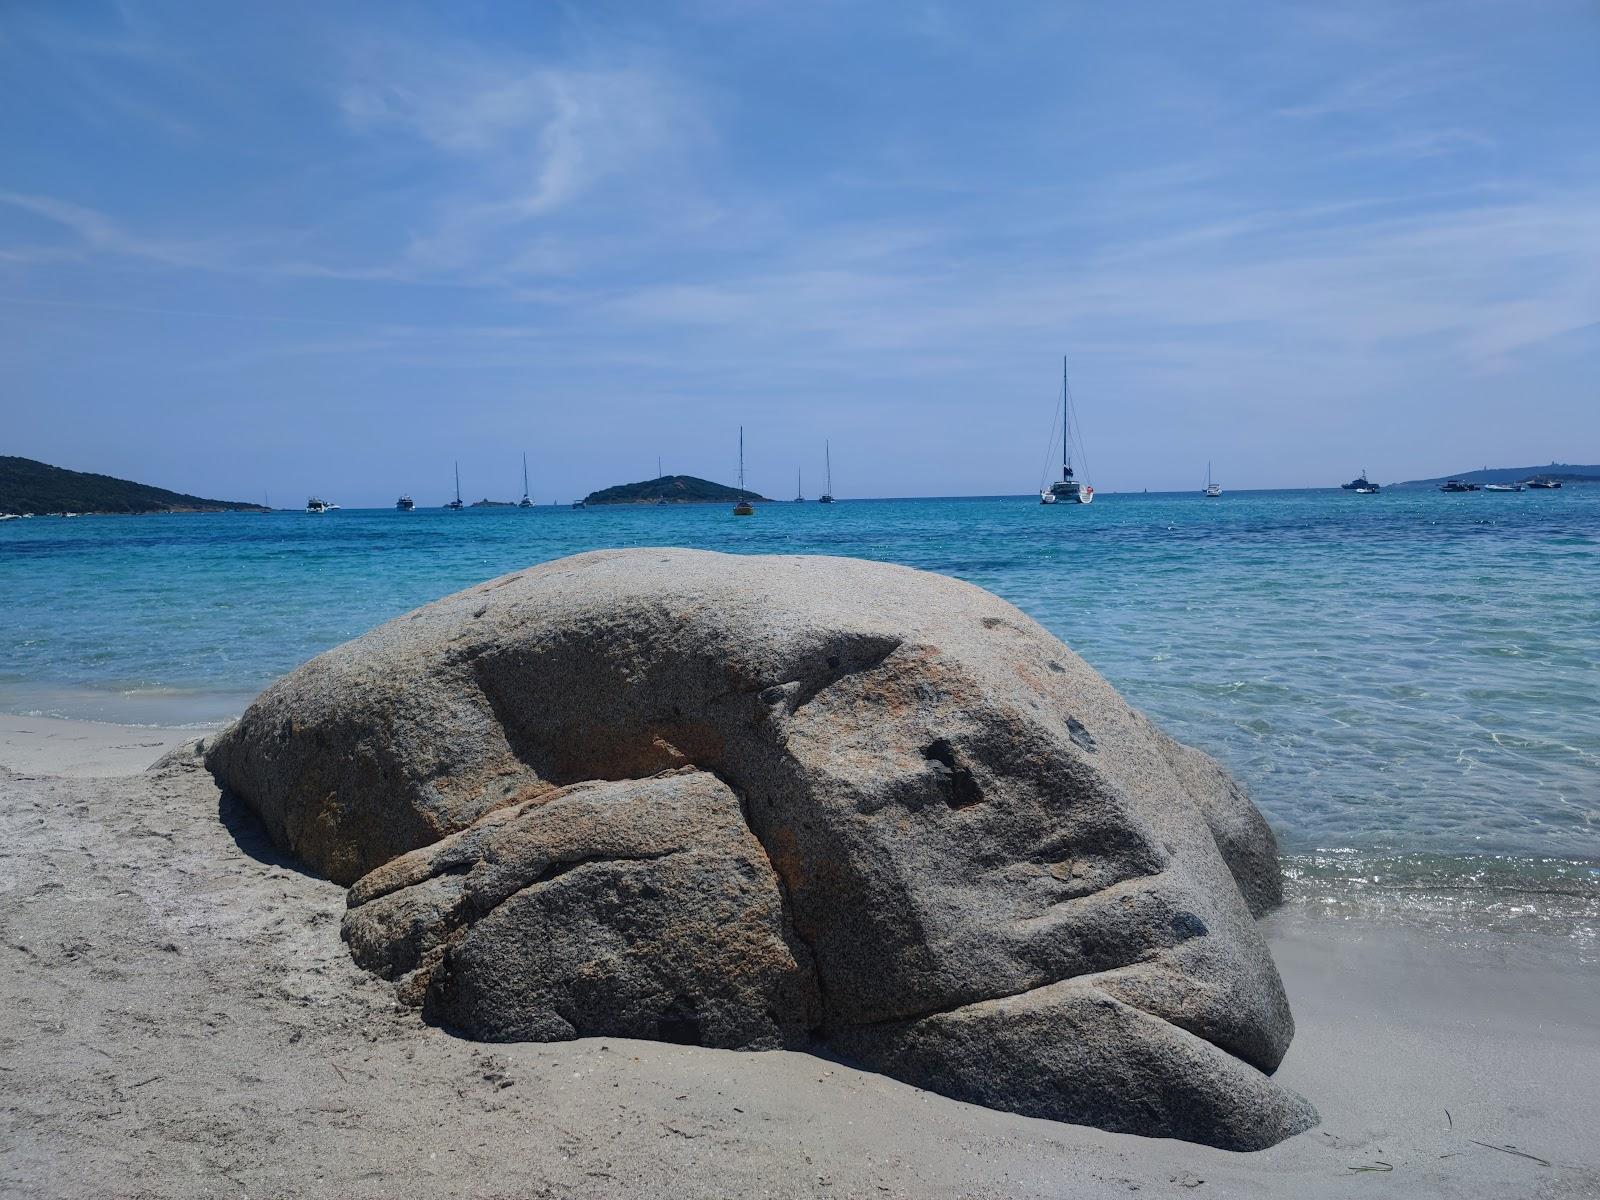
(28, 486)
(671, 489)
(1564, 472)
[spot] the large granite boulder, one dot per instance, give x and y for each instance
(761, 801)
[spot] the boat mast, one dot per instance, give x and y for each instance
(458, 481)
(1066, 426)
(798, 493)
(524, 474)
(741, 462)
(827, 457)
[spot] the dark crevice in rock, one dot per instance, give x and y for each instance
(791, 928)
(972, 1002)
(680, 1023)
(1186, 925)
(1182, 925)
(1088, 980)
(458, 920)
(1081, 736)
(854, 658)
(961, 788)
(555, 870)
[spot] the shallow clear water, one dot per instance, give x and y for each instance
(1396, 675)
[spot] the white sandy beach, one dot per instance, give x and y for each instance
(182, 1019)
(82, 749)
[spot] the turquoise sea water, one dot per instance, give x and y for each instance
(1410, 678)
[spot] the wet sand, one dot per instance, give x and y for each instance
(182, 1020)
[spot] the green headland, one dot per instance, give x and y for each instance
(29, 486)
(672, 489)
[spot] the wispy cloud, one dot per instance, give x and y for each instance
(1384, 90)
(110, 68)
(94, 232)
(1419, 144)
(522, 140)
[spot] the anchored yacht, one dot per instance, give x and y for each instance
(1069, 489)
(744, 508)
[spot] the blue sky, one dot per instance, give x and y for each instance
(333, 247)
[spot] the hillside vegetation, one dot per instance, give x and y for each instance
(29, 486)
(1565, 472)
(674, 489)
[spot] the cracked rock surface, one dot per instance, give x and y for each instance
(761, 801)
(578, 913)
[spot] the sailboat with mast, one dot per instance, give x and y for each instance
(827, 458)
(1211, 490)
(744, 508)
(456, 505)
(525, 502)
(799, 492)
(1069, 489)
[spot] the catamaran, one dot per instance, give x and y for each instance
(1211, 490)
(1068, 489)
(456, 505)
(827, 457)
(744, 508)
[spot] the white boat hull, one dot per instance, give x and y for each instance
(1080, 495)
